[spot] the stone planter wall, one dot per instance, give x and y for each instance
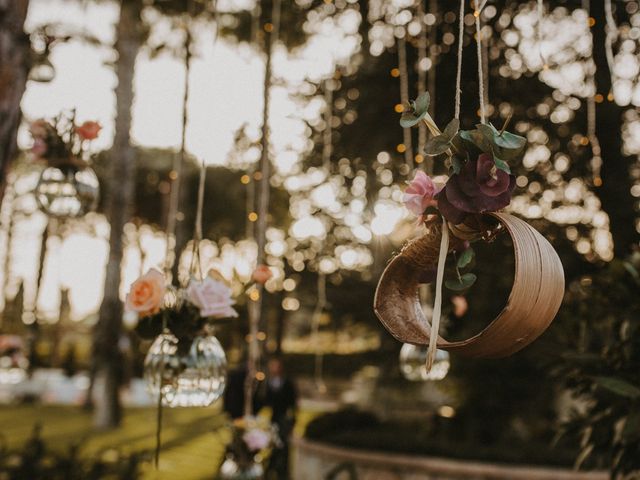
(314, 461)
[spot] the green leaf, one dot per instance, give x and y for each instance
(421, 104)
(441, 143)
(456, 164)
(618, 386)
(409, 119)
(476, 138)
(501, 165)
(451, 129)
(466, 257)
(436, 146)
(504, 140)
(510, 141)
(462, 283)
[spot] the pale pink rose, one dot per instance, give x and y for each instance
(39, 147)
(39, 128)
(419, 194)
(147, 293)
(261, 274)
(212, 297)
(256, 439)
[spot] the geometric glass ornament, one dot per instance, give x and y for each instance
(413, 360)
(67, 191)
(192, 373)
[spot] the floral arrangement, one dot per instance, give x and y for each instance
(60, 142)
(251, 436)
(184, 311)
(479, 180)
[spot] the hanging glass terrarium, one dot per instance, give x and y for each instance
(188, 373)
(413, 359)
(67, 191)
(67, 187)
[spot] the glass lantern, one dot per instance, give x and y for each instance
(191, 376)
(413, 360)
(67, 191)
(232, 470)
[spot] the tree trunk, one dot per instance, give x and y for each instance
(108, 362)
(14, 67)
(615, 192)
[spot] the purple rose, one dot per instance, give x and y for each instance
(479, 187)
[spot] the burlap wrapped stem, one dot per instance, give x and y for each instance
(535, 297)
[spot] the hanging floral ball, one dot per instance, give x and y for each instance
(67, 191)
(190, 373)
(413, 360)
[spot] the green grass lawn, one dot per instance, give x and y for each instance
(193, 442)
(193, 439)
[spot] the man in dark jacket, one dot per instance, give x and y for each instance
(281, 396)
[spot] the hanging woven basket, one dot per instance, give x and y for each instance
(536, 294)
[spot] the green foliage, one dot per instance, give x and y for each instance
(441, 143)
(467, 256)
(417, 110)
(36, 461)
(462, 282)
(603, 366)
(436, 436)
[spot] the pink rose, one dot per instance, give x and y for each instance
(256, 439)
(212, 297)
(261, 274)
(419, 194)
(88, 130)
(39, 128)
(147, 293)
(39, 147)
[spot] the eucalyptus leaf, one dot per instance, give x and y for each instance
(462, 283)
(421, 104)
(456, 164)
(466, 257)
(409, 119)
(510, 141)
(504, 140)
(618, 386)
(451, 129)
(436, 146)
(502, 165)
(476, 138)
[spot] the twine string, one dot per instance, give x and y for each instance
(478, 11)
(459, 60)
(404, 96)
(255, 306)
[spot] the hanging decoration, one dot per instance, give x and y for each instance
(252, 437)
(185, 365)
(413, 363)
(263, 193)
(413, 358)
(68, 187)
(462, 211)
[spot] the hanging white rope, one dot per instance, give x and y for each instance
(596, 151)
(437, 304)
(315, 331)
(422, 73)
(540, 13)
(255, 305)
(611, 37)
(404, 95)
(459, 65)
(478, 11)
